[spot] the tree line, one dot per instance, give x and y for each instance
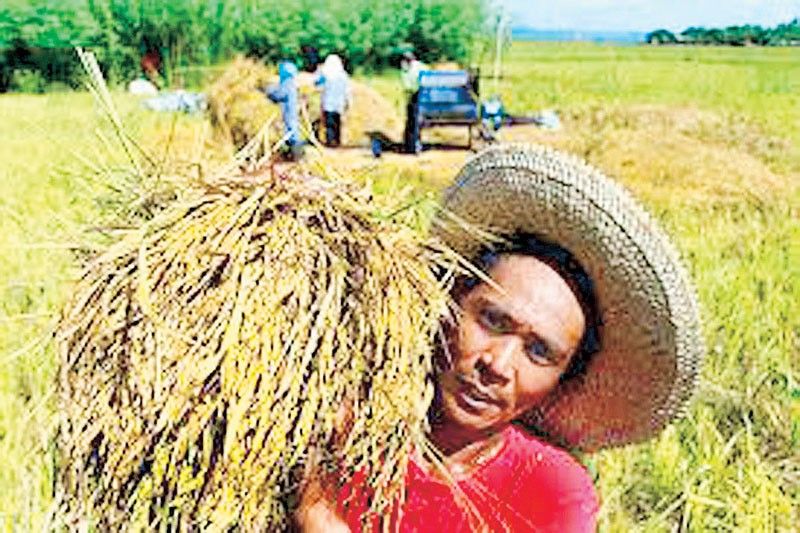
(787, 34)
(37, 38)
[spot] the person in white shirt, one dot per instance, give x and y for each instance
(410, 68)
(336, 97)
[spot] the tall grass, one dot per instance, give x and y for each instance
(707, 138)
(47, 144)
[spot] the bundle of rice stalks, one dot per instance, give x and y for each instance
(206, 361)
(369, 111)
(239, 109)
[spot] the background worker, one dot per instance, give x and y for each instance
(335, 99)
(150, 64)
(310, 58)
(569, 347)
(285, 95)
(410, 68)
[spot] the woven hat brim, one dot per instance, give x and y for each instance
(651, 342)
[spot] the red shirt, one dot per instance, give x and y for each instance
(528, 486)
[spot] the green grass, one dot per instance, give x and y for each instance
(707, 138)
(50, 196)
(38, 208)
(763, 83)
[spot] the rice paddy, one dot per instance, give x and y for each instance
(707, 138)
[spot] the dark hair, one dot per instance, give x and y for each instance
(564, 263)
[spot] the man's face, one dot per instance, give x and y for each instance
(509, 347)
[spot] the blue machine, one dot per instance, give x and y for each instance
(451, 98)
(448, 98)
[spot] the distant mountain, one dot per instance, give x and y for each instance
(522, 33)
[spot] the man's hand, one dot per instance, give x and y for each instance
(317, 510)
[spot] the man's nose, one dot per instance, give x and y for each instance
(496, 362)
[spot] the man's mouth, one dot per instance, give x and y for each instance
(473, 397)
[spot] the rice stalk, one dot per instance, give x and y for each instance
(205, 359)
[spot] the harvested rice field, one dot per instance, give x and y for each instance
(707, 138)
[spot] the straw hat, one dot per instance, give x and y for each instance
(650, 340)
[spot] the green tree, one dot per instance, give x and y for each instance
(365, 33)
(661, 36)
(40, 37)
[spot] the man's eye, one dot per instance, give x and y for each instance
(495, 321)
(539, 352)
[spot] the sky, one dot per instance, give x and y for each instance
(646, 15)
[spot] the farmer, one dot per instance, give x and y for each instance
(310, 56)
(586, 337)
(410, 68)
(285, 94)
(150, 64)
(335, 85)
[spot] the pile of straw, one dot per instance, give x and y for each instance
(205, 360)
(239, 107)
(237, 103)
(370, 111)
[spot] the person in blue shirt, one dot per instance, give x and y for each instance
(285, 94)
(335, 85)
